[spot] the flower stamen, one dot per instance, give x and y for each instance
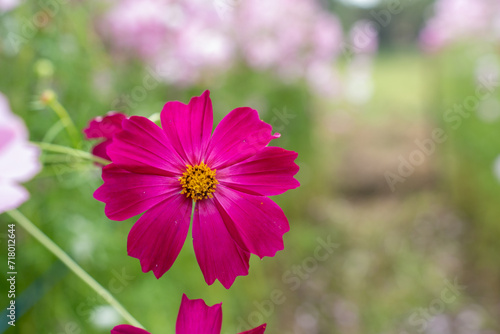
(198, 182)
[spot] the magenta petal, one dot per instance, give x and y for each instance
(100, 149)
(256, 223)
(105, 127)
(189, 126)
(238, 136)
(269, 172)
(142, 147)
(127, 329)
(127, 194)
(157, 237)
(196, 317)
(257, 330)
(218, 255)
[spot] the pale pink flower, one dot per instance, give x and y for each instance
(6, 5)
(460, 20)
(187, 41)
(286, 36)
(18, 158)
(364, 37)
(181, 40)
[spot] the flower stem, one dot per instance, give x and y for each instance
(61, 255)
(53, 132)
(71, 151)
(190, 231)
(192, 214)
(66, 120)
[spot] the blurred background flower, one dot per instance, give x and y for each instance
(6, 5)
(180, 39)
(18, 158)
(185, 40)
(456, 21)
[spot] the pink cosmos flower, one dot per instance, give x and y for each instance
(18, 158)
(460, 20)
(228, 174)
(194, 317)
(364, 37)
(104, 128)
(181, 40)
(191, 41)
(268, 40)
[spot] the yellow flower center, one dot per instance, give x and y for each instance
(198, 182)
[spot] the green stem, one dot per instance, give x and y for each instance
(71, 151)
(53, 132)
(192, 213)
(51, 172)
(190, 249)
(61, 255)
(66, 120)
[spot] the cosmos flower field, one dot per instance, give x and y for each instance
(250, 166)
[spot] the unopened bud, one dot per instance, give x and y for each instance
(48, 97)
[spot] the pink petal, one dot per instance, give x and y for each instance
(100, 149)
(189, 126)
(218, 255)
(269, 172)
(7, 136)
(11, 196)
(6, 5)
(105, 127)
(19, 160)
(127, 194)
(157, 237)
(196, 317)
(10, 120)
(142, 147)
(127, 329)
(256, 223)
(238, 136)
(257, 330)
